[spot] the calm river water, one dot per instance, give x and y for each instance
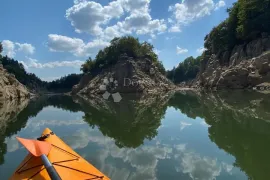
(184, 136)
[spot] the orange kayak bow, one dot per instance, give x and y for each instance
(67, 163)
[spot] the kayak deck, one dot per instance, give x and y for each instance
(67, 163)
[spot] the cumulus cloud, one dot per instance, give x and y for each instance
(181, 50)
(201, 50)
(220, 4)
(189, 11)
(93, 18)
(76, 46)
(8, 48)
(26, 48)
(33, 63)
(88, 16)
(11, 48)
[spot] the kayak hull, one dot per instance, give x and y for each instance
(66, 161)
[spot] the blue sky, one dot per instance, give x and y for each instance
(53, 38)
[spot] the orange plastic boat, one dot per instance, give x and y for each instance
(67, 163)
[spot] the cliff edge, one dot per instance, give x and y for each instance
(10, 87)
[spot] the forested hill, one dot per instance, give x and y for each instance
(35, 84)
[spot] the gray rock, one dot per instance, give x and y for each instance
(10, 87)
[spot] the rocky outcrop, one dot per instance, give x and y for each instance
(246, 66)
(128, 75)
(10, 87)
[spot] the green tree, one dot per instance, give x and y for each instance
(186, 70)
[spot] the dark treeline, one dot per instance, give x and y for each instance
(34, 83)
(185, 71)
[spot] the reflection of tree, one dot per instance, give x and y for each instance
(239, 124)
(129, 122)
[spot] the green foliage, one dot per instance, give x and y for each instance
(247, 20)
(33, 83)
(110, 55)
(186, 70)
(64, 84)
(30, 80)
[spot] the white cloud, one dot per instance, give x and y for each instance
(90, 17)
(189, 11)
(11, 48)
(33, 63)
(26, 48)
(220, 4)
(175, 29)
(200, 50)
(180, 50)
(76, 46)
(8, 48)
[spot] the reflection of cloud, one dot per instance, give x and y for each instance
(199, 168)
(35, 124)
(183, 125)
(141, 163)
(204, 124)
(227, 167)
(12, 144)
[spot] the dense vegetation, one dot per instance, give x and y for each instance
(28, 79)
(110, 55)
(185, 71)
(247, 20)
(35, 84)
(64, 84)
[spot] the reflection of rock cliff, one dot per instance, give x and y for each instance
(130, 121)
(10, 88)
(239, 124)
(9, 111)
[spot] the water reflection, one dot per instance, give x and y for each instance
(239, 123)
(129, 122)
(185, 136)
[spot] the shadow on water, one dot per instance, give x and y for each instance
(239, 122)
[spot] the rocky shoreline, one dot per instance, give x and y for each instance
(246, 67)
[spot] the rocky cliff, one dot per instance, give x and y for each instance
(128, 75)
(10, 87)
(246, 66)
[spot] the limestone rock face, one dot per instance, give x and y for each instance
(247, 66)
(10, 87)
(127, 76)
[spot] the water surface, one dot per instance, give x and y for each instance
(184, 136)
